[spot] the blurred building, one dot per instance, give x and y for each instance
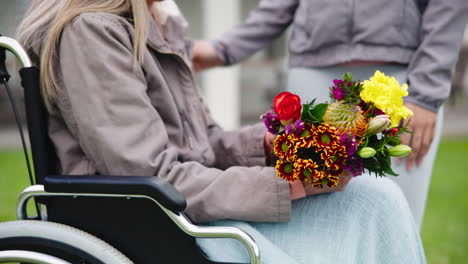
(10, 15)
(236, 95)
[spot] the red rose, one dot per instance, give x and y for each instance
(287, 107)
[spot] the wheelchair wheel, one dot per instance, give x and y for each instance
(59, 241)
(28, 257)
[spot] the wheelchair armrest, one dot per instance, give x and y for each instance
(152, 186)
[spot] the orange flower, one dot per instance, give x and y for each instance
(346, 118)
(285, 170)
(304, 140)
(330, 181)
(285, 147)
(335, 172)
(307, 170)
(334, 157)
(325, 137)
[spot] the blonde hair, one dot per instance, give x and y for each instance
(39, 32)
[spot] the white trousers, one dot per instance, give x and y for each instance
(310, 83)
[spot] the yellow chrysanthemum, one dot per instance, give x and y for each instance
(386, 94)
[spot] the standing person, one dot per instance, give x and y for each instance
(416, 41)
(122, 100)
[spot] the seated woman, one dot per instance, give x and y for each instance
(122, 98)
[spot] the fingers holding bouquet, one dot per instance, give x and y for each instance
(423, 127)
(268, 146)
(343, 181)
(324, 145)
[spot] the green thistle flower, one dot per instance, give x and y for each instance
(346, 118)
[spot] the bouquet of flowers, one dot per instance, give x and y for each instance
(359, 129)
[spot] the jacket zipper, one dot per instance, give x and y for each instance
(183, 114)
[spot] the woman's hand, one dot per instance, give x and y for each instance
(269, 138)
(204, 56)
(268, 144)
(423, 127)
(302, 189)
(343, 182)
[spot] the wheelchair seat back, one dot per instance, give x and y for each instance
(136, 227)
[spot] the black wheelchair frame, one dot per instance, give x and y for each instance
(140, 216)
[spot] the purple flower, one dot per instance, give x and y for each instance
(351, 146)
(298, 127)
(289, 129)
(295, 128)
(338, 94)
(271, 122)
(353, 162)
(349, 141)
(338, 82)
(354, 166)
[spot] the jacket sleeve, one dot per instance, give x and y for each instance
(431, 67)
(241, 147)
(264, 24)
(122, 133)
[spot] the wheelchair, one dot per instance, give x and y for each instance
(95, 219)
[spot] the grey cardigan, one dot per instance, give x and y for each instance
(116, 119)
(425, 34)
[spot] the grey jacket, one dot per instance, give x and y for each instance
(425, 34)
(115, 119)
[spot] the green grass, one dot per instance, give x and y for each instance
(13, 179)
(444, 231)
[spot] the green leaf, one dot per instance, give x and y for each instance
(393, 140)
(371, 164)
(386, 164)
(389, 171)
(306, 116)
(318, 111)
(348, 77)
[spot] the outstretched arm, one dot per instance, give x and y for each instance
(265, 23)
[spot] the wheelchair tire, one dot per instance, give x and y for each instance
(8, 256)
(57, 240)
